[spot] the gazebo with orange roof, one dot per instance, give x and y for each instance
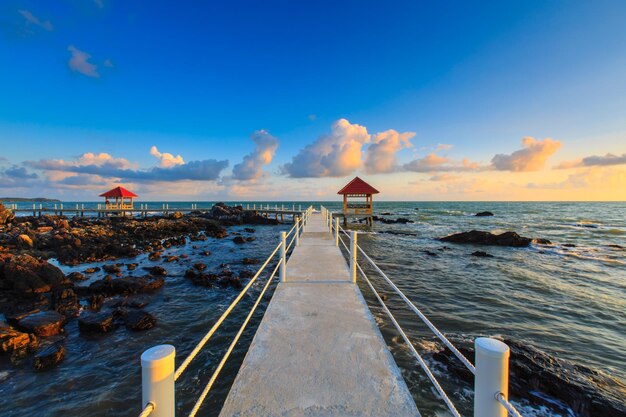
(357, 188)
(123, 199)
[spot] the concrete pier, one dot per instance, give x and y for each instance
(318, 350)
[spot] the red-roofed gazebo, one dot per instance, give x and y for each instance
(123, 198)
(357, 188)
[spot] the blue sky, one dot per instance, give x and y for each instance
(463, 81)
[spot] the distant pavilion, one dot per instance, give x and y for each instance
(358, 189)
(123, 199)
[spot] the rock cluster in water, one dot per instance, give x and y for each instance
(478, 237)
(38, 299)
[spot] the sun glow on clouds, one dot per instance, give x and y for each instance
(166, 160)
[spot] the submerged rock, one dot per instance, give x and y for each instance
(478, 237)
(50, 355)
(137, 320)
(482, 254)
(127, 285)
(44, 323)
(91, 322)
(484, 214)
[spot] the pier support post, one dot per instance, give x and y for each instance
(283, 257)
(336, 231)
(157, 380)
(491, 378)
(353, 237)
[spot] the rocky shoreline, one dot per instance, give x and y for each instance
(38, 300)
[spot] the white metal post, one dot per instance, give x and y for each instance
(491, 378)
(157, 380)
(353, 236)
(336, 231)
(283, 257)
(298, 232)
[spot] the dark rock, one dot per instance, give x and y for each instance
(156, 271)
(76, 276)
(569, 245)
(14, 341)
(541, 241)
(230, 281)
(65, 301)
(482, 254)
(50, 356)
(44, 323)
(249, 230)
(246, 274)
(429, 253)
(205, 253)
(6, 215)
(127, 285)
(239, 240)
(132, 266)
(112, 269)
(92, 322)
(191, 273)
(24, 241)
(96, 301)
(613, 246)
(484, 214)
(139, 320)
(200, 266)
(478, 237)
(172, 258)
(26, 275)
(250, 261)
(401, 220)
(176, 215)
(92, 270)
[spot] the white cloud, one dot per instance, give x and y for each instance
(32, 19)
(532, 157)
(336, 154)
(381, 154)
(251, 167)
(79, 62)
(166, 160)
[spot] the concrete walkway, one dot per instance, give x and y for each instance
(318, 350)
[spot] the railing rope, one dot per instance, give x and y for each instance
(225, 314)
(421, 315)
(208, 386)
(421, 361)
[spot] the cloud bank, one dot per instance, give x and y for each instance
(166, 160)
(606, 160)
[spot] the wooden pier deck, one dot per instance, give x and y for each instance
(318, 350)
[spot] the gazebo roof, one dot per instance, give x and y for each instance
(119, 192)
(358, 186)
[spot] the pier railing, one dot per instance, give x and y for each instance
(158, 372)
(491, 371)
